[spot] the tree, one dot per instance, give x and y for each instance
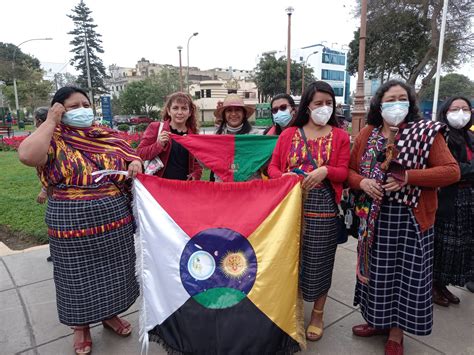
(270, 76)
(141, 97)
(450, 85)
(85, 36)
(403, 39)
(32, 90)
(64, 79)
(24, 64)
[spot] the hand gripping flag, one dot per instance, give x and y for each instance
(231, 157)
(218, 265)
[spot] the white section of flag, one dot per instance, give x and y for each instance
(159, 248)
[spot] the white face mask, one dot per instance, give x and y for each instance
(321, 115)
(458, 119)
(395, 112)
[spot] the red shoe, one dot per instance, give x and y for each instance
(393, 348)
(365, 330)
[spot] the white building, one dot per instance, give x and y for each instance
(329, 64)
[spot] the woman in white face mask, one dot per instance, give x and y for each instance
(318, 150)
(396, 203)
(90, 223)
(454, 241)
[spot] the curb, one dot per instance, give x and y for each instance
(5, 251)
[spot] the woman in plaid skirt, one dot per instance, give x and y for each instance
(454, 242)
(90, 223)
(319, 151)
(396, 205)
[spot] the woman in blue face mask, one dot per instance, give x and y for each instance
(90, 223)
(397, 163)
(283, 114)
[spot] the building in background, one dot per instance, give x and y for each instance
(329, 64)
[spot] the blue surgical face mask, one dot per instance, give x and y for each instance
(282, 118)
(79, 117)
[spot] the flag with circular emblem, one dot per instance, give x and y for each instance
(218, 265)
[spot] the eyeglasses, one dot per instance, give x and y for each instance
(282, 107)
(456, 109)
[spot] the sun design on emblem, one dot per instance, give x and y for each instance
(234, 264)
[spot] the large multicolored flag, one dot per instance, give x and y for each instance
(219, 264)
(231, 157)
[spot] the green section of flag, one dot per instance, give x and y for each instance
(219, 297)
(251, 153)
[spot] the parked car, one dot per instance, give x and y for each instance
(140, 119)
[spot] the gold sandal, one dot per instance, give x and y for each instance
(314, 333)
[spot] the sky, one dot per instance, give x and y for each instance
(231, 33)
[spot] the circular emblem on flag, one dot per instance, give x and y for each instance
(201, 265)
(218, 267)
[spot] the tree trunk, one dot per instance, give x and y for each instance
(427, 80)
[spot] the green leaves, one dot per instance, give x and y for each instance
(84, 31)
(141, 97)
(270, 76)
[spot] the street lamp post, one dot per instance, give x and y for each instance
(358, 115)
(289, 10)
(17, 106)
(180, 48)
(187, 53)
(305, 63)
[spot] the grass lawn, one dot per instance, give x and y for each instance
(19, 187)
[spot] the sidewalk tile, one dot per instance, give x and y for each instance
(453, 328)
(5, 280)
(343, 278)
(14, 333)
(104, 342)
(29, 267)
(338, 339)
(40, 299)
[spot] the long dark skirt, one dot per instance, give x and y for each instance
(319, 243)
(399, 291)
(454, 242)
(95, 273)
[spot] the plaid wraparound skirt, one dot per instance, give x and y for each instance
(399, 292)
(94, 273)
(319, 243)
(454, 242)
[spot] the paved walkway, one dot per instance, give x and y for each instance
(29, 323)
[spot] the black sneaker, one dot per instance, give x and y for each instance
(470, 286)
(49, 258)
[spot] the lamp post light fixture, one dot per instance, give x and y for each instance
(17, 106)
(289, 10)
(180, 48)
(187, 53)
(305, 63)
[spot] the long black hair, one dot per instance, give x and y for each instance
(374, 117)
(303, 114)
(290, 100)
(65, 92)
(457, 138)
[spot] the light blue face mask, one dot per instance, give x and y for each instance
(282, 118)
(79, 117)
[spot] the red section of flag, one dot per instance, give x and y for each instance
(237, 206)
(214, 151)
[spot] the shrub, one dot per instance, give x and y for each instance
(123, 127)
(141, 127)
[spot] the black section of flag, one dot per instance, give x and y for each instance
(241, 329)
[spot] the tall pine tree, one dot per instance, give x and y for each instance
(85, 35)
